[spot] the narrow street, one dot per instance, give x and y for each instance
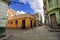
(37, 33)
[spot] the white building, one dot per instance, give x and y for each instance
(3, 13)
(38, 17)
(3, 17)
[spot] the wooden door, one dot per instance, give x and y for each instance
(53, 20)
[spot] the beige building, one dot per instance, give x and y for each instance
(45, 10)
(11, 13)
(38, 17)
(45, 6)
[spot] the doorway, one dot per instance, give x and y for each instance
(16, 23)
(31, 23)
(53, 20)
(35, 24)
(23, 24)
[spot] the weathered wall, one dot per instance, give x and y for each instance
(27, 23)
(56, 11)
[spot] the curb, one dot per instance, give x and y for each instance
(6, 37)
(52, 30)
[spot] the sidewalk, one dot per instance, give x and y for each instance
(6, 37)
(50, 29)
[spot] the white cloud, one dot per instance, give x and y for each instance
(37, 5)
(21, 12)
(24, 1)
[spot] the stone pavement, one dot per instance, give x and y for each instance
(37, 33)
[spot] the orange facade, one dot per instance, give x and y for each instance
(15, 20)
(21, 22)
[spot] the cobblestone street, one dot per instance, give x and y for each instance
(37, 33)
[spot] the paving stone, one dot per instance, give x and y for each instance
(37, 33)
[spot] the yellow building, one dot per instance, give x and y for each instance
(21, 21)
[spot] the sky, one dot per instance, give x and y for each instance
(22, 7)
(28, 6)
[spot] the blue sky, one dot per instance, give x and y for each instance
(29, 6)
(24, 7)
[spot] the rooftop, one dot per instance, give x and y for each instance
(21, 16)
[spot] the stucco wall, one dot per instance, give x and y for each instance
(27, 23)
(57, 15)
